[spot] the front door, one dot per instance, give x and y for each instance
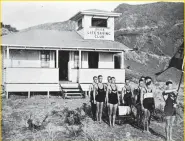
(93, 59)
(63, 65)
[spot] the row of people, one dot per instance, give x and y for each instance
(145, 103)
(142, 98)
(108, 93)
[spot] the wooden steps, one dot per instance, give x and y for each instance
(71, 90)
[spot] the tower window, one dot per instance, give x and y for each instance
(97, 22)
(80, 24)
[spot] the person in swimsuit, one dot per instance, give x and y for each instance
(127, 93)
(108, 81)
(138, 101)
(105, 110)
(91, 89)
(112, 101)
(147, 103)
(99, 95)
(169, 96)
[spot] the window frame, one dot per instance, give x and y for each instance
(45, 58)
(106, 26)
(118, 56)
(79, 23)
(76, 61)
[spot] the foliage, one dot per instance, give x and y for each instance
(74, 117)
(7, 29)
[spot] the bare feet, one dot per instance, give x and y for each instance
(148, 132)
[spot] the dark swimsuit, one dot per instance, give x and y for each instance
(128, 98)
(138, 99)
(113, 98)
(100, 97)
(138, 105)
(169, 109)
(148, 103)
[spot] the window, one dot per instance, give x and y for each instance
(80, 24)
(93, 59)
(45, 58)
(76, 60)
(97, 22)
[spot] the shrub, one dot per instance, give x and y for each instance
(74, 117)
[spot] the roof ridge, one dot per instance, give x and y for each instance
(79, 34)
(96, 10)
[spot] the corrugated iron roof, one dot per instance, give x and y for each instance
(60, 39)
(95, 10)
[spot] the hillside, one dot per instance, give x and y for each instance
(7, 29)
(61, 26)
(157, 29)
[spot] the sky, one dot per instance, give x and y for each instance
(26, 14)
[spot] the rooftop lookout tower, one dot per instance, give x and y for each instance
(95, 24)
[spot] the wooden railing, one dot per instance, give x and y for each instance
(32, 75)
(86, 75)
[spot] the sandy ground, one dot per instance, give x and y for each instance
(16, 112)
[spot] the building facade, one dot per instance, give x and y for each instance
(50, 60)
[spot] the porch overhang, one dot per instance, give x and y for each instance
(59, 40)
(65, 48)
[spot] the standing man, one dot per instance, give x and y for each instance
(105, 109)
(147, 103)
(127, 93)
(112, 101)
(108, 81)
(137, 93)
(169, 96)
(91, 89)
(99, 95)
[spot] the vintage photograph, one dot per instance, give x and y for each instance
(92, 71)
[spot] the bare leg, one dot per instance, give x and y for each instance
(138, 116)
(97, 110)
(145, 119)
(110, 114)
(148, 118)
(114, 113)
(172, 119)
(101, 110)
(167, 128)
